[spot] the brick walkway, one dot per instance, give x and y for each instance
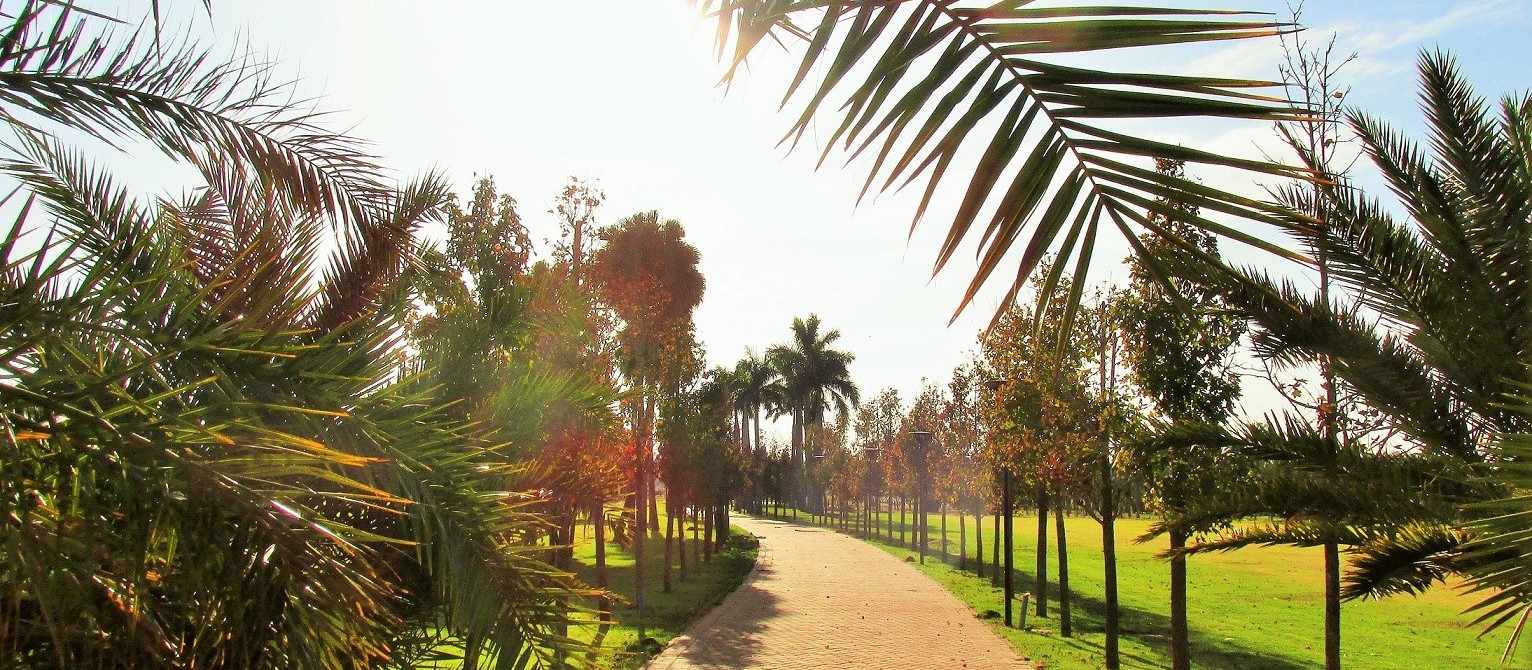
(819, 599)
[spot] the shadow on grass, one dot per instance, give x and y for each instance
(1088, 613)
(666, 615)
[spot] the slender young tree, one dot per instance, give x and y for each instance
(1180, 344)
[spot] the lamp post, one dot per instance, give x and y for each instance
(1005, 509)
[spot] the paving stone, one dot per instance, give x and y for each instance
(819, 599)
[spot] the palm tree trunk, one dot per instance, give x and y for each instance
(1064, 623)
(1332, 605)
(1040, 587)
(1180, 642)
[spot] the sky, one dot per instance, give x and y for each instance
(625, 94)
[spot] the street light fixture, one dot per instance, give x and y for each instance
(995, 385)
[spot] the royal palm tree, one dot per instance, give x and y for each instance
(816, 379)
(756, 388)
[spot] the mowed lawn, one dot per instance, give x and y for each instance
(1256, 608)
(667, 614)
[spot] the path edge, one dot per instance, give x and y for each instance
(678, 647)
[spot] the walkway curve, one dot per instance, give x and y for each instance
(820, 599)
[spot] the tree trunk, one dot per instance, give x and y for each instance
(994, 578)
(962, 540)
(1064, 624)
(670, 526)
(795, 471)
(681, 542)
(877, 515)
(1332, 605)
(942, 510)
(978, 542)
(603, 603)
(721, 528)
(1040, 586)
(903, 527)
(707, 532)
(654, 506)
(1109, 559)
(1180, 642)
(639, 531)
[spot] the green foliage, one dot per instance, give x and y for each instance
(647, 274)
(1448, 354)
(211, 456)
(1042, 419)
(1180, 335)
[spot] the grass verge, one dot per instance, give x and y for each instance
(666, 614)
(1255, 609)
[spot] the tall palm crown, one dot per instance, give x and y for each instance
(816, 377)
(756, 388)
(1451, 287)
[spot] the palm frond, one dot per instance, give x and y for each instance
(924, 81)
(188, 103)
(1409, 560)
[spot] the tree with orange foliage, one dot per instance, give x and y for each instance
(1041, 420)
(963, 479)
(646, 273)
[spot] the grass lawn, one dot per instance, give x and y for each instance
(1258, 608)
(667, 614)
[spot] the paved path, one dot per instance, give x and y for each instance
(819, 599)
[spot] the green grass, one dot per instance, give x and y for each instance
(666, 614)
(1258, 608)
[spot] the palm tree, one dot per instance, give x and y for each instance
(211, 455)
(816, 379)
(916, 83)
(756, 387)
(1443, 360)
